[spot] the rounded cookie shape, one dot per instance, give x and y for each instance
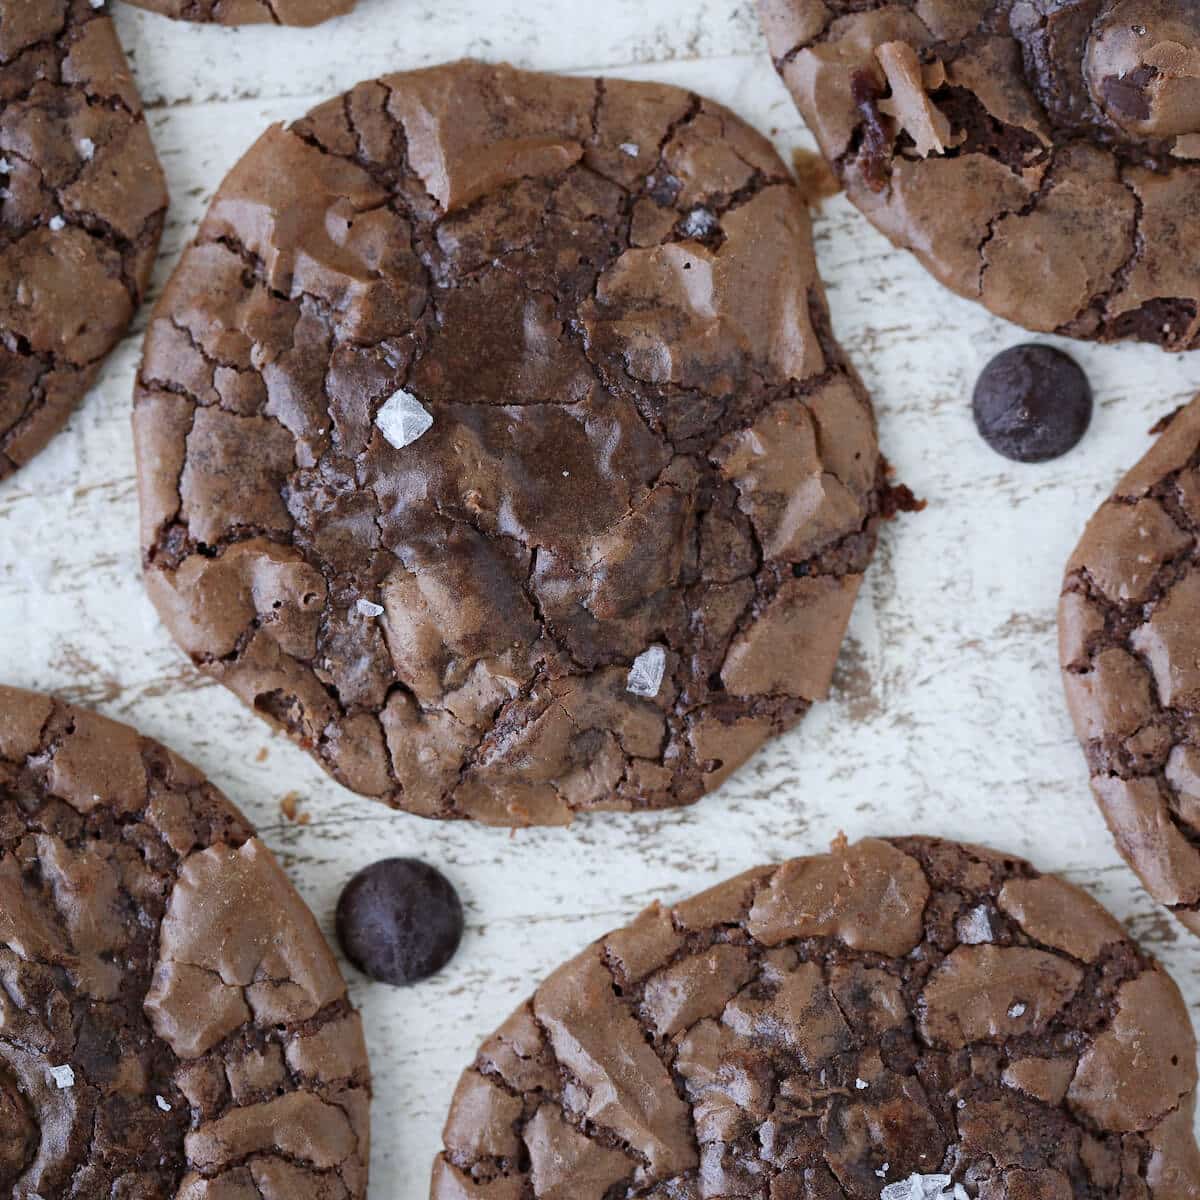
(1129, 646)
(493, 442)
(1040, 156)
(174, 1025)
(899, 1018)
(82, 206)
(249, 12)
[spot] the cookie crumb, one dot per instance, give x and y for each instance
(815, 177)
(290, 805)
(261, 756)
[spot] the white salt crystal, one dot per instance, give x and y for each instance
(63, 1076)
(367, 608)
(646, 674)
(403, 419)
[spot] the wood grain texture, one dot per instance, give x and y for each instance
(948, 716)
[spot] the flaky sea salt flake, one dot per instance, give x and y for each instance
(63, 1076)
(87, 148)
(699, 223)
(57, 223)
(1017, 1010)
(861, 1084)
(646, 674)
(631, 149)
(975, 929)
(368, 608)
(924, 1187)
(403, 419)
(162, 1104)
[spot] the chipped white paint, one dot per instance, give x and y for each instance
(402, 419)
(646, 674)
(64, 1076)
(947, 714)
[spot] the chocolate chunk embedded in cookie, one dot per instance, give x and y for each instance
(1129, 637)
(492, 441)
(249, 12)
(82, 205)
(174, 1024)
(899, 1018)
(1040, 156)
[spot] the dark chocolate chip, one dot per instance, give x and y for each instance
(399, 920)
(1032, 403)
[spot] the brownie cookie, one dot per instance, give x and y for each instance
(1037, 155)
(1129, 636)
(249, 12)
(172, 1024)
(898, 1019)
(493, 443)
(82, 205)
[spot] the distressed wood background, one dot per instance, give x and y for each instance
(948, 716)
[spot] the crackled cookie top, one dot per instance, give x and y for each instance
(493, 442)
(82, 204)
(1037, 155)
(1129, 630)
(249, 12)
(172, 1024)
(899, 1018)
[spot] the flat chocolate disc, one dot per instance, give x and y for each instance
(174, 1026)
(907, 1019)
(1129, 637)
(493, 443)
(82, 207)
(1039, 156)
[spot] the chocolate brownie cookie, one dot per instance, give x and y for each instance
(249, 12)
(493, 442)
(1129, 633)
(1037, 155)
(82, 205)
(898, 1018)
(172, 1023)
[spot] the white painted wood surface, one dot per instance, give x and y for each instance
(948, 717)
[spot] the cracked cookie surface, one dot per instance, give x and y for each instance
(82, 206)
(249, 12)
(833, 1027)
(1036, 155)
(1129, 639)
(493, 442)
(173, 1025)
